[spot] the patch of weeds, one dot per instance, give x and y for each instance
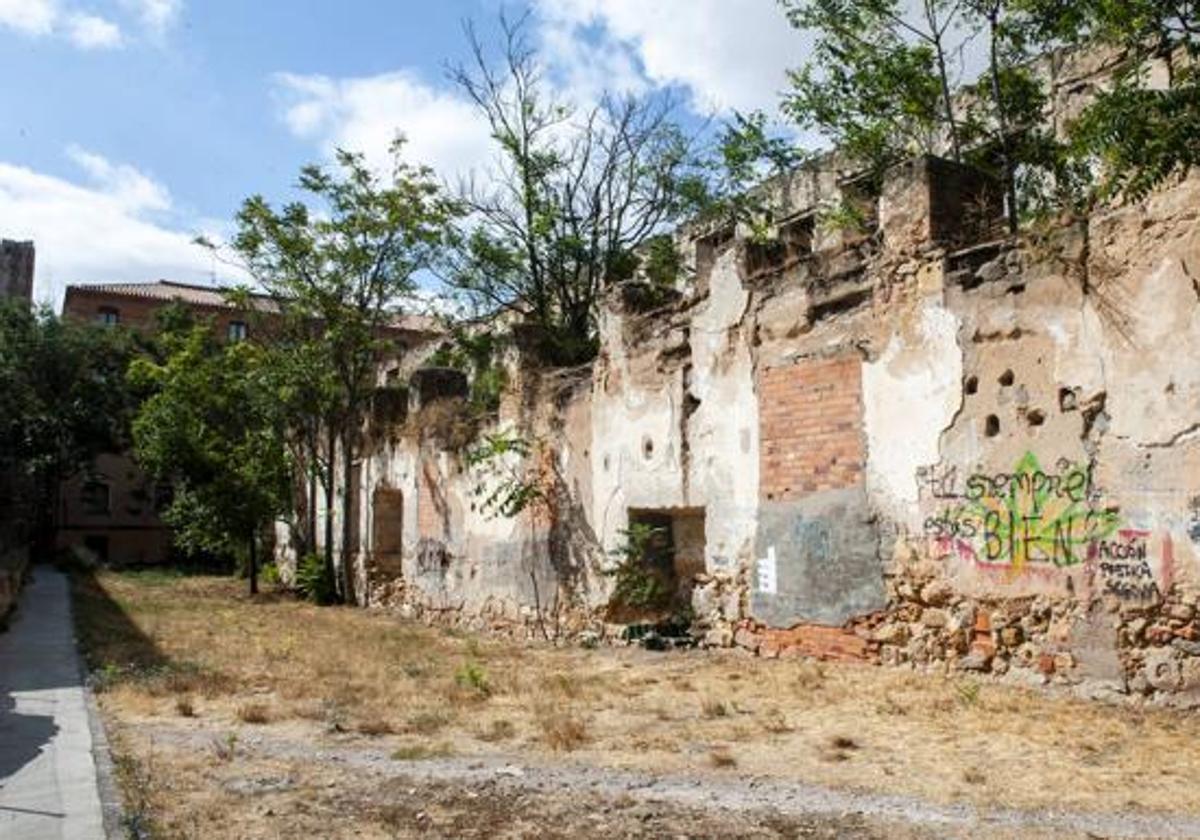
(968, 693)
(426, 723)
(106, 677)
(711, 708)
(415, 670)
(840, 748)
(775, 722)
(721, 758)
(224, 749)
(134, 779)
(843, 742)
(810, 675)
(417, 752)
(374, 727)
(256, 713)
(890, 706)
(562, 729)
(498, 730)
(473, 677)
(184, 707)
(566, 685)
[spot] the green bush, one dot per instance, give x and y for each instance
(473, 676)
(313, 580)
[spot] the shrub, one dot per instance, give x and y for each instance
(254, 713)
(313, 580)
(473, 676)
(269, 574)
(562, 729)
(638, 583)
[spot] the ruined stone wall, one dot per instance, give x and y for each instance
(913, 441)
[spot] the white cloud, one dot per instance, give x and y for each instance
(157, 16)
(728, 55)
(110, 231)
(30, 17)
(366, 114)
(125, 184)
(42, 18)
(89, 32)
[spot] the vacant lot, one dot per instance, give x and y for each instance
(272, 718)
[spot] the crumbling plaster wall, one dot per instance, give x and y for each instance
(1001, 439)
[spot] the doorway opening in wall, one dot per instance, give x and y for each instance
(97, 545)
(387, 532)
(661, 555)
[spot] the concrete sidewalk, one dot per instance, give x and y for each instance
(48, 786)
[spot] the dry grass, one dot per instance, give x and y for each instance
(157, 643)
(374, 727)
(255, 713)
(420, 752)
(721, 758)
(562, 728)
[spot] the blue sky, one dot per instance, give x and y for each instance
(131, 125)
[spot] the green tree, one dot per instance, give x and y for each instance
(1141, 130)
(574, 194)
(339, 265)
(213, 426)
(878, 83)
(64, 402)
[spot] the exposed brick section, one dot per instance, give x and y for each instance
(839, 644)
(431, 504)
(810, 421)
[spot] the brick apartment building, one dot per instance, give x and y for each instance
(112, 511)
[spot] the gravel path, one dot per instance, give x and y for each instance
(723, 791)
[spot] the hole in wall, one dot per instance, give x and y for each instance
(991, 426)
(1006, 378)
(1068, 400)
(1035, 417)
(971, 385)
(647, 448)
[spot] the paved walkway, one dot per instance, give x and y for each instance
(48, 783)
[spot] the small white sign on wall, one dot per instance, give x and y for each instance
(766, 577)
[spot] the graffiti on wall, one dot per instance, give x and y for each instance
(1124, 566)
(1024, 519)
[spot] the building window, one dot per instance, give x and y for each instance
(238, 331)
(109, 316)
(95, 498)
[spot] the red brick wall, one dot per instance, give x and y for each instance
(84, 304)
(810, 426)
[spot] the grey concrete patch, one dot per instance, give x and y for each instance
(48, 785)
(827, 566)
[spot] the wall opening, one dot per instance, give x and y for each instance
(387, 530)
(664, 554)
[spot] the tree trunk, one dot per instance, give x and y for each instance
(253, 563)
(330, 571)
(1006, 162)
(310, 507)
(348, 524)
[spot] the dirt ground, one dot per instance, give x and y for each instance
(272, 718)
